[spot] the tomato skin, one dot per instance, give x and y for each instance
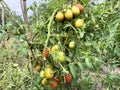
(61, 56)
(53, 84)
(55, 48)
(79, 23)
(72, 44)
(15, 65)
(49, 73)
(46, 53)
(57, 79)
(37, 68)
(44, 81)
(80, 7)
(68, 14)
(59, 16)
(42, 74)
(68, 78)
(75, 10)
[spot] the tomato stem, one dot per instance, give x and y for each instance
(64, 70)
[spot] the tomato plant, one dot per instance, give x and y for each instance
(73, 45)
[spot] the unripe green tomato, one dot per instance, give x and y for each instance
(72, 44)
(15, 65)
(42, 74)
(61, 56)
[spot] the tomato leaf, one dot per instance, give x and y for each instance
(88, 63)
(72, 70)
(80, 66)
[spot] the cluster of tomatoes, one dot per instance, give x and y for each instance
(47, 71)
(70, 13)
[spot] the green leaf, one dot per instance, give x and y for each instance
(72, 70)
(89, 63)
(113, 29)
(80, 66)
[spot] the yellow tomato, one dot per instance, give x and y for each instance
(59, 16)
(44, 81)
(75, 10)
(79, 23)
(49, 73)
(68, 14)
(55, 48)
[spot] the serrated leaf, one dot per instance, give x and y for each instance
(88, 63)
(72, 70)
(80, 66)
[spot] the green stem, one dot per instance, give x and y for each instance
(64, 70)
(49, 26)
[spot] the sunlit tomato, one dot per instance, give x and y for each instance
(61, 56)
(68, 78)
(42, 74)
(45, 53)
(37, 68)
(59, 16)
(79, 23)
(68, 14)
(80, 7)
(55, 48)
(44, 81)
(49, 73)
(75, 10)
(72, 44)
(53, 84)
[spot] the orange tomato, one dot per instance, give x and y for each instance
(37, 68)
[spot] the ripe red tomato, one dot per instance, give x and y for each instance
(57, 79)
(80, 7)
(46, 53)
(68, 78)
(53, 84)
